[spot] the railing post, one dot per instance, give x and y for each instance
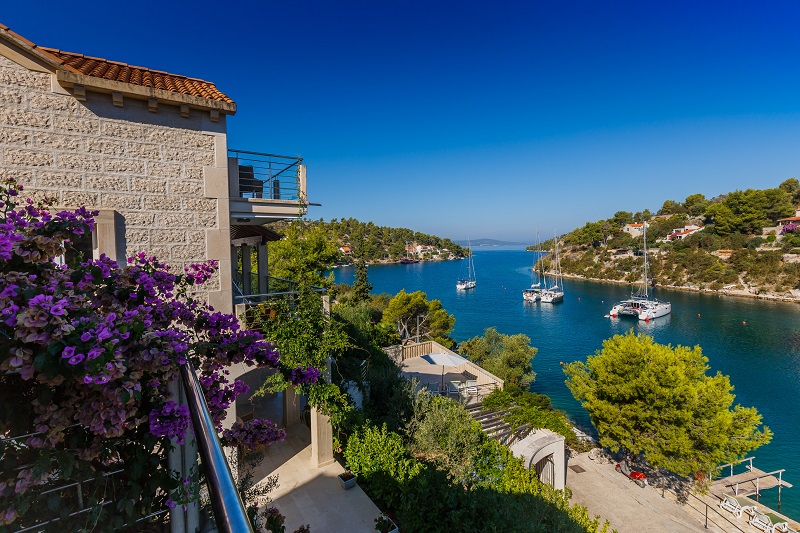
(177, 517)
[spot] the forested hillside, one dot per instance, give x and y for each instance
(374, 243)
(731, 242)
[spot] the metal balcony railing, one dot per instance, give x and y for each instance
(267, 176)
(273, 289)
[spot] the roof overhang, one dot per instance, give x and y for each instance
(36, 58)
(243, 231)
(69, 79)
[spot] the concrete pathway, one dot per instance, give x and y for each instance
(632, 509)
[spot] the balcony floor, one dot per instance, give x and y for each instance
(308, 495)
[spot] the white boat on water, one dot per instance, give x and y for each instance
(553, 292)
(532, 293)
(642, 305)
(468, 282)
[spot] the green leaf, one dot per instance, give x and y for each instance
(40, 362)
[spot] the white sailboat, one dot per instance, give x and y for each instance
(533, 293)
(642, 305)
(468, 282)
(553, 292)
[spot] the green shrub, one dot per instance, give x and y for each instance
(382, 463)
(442, 432)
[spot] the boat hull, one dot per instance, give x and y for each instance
(465, 285)
(641, 309)
(530, 295)
(552, 297)
(655, 310)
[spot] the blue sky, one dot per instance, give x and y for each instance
(478, 119)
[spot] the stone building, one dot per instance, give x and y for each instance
(148, 149)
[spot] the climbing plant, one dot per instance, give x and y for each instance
(88, 352)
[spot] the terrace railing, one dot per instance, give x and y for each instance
(275, 289)
(266, 176)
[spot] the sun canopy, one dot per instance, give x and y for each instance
(445, 359)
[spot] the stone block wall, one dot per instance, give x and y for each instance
(164, 174)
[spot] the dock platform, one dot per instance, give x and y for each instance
(750, 482)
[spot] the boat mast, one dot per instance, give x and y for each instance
(644, 233)
(557, 275)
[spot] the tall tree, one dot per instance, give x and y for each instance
(506, 356)
(361, 287)
(658, 401)
(792, 186)
(303, 254)
(695, 204)
(415, 316)
(671, 207)
(621, 218)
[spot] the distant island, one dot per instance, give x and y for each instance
(488, 242)
(743, 243)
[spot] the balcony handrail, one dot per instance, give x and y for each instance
(265, 176)
(229, 511)
(240, 297)
(299, 159)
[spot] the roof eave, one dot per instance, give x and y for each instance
(69, 79)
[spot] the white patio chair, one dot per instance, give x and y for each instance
(737, 505)
(471, 387)
(769, 522)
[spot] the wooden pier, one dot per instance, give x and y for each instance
(749, 483)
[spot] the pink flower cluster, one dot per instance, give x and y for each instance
(252, 433)
(172, 421)
(89, 350)
(791, 227)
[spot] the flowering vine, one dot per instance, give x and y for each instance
(88, 350)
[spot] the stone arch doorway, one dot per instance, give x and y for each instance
(543, 451)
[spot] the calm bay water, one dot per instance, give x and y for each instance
(756, 343)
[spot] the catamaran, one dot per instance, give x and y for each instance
(553, 292)
(468, 282)
(642, 305)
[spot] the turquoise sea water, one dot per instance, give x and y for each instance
(756, 343)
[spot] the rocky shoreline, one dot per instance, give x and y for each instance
(740, 293)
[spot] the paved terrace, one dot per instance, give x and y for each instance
(631, 509)
(305, 494)
(445, 372)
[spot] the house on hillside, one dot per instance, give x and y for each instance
(682, 233)
(346, 250)
(149, 150)
(634, 229)
(787, 220)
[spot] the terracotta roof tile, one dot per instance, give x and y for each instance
(116, 71)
